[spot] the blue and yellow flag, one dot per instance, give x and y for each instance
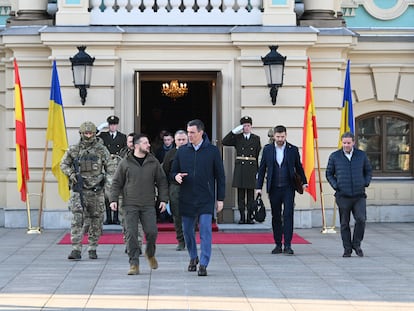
(347, 116)
(56, 132)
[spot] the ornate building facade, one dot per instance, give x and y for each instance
(215, 46)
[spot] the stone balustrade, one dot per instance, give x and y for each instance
(176, 12)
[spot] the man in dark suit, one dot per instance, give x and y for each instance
(280, 160)
(247, 147)
(115, 141)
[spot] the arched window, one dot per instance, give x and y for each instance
(386, 137)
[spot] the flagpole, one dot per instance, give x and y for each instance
(30, 229)
(42, 187)
(320, 185)
(325, 229)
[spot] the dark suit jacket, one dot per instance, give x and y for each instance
(245, 171)
(267, 165)
(114, 145)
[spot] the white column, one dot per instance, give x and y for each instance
(72, 12)
(321, 13)
(279, 13)
(30, 12)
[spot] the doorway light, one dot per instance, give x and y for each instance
(174, 89)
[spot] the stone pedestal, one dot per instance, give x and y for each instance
(321, 14)
(30, 12)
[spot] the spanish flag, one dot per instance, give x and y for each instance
(347, 115)
(22, 165)
(309, 135)
(56, 132)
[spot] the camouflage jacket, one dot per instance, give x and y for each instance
(94, 161)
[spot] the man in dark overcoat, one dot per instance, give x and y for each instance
(247, 147)
(115, 141)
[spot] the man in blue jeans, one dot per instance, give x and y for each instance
(198, 168)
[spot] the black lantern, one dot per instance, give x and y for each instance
(82, 64)
(274, 65)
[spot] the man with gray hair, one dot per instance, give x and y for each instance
(180, 138)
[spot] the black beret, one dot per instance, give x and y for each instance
(246, 119)
(112, 120)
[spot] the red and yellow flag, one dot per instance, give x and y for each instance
(22, 165)
(310, 133)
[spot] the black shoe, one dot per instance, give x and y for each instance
(202, 271)
(347, 253)
(288, 251)
(277, 250)
(75, 255)
(92, 254)
(250, 221)
(192, 266)
(359, 252)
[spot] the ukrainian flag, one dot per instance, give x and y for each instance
(56, 132)
(347, 116)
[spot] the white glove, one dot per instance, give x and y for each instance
(238, 129)
(102, 126)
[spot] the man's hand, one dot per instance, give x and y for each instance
(238, 129)
(102, 126)
(163, 207)
(114, 206)
(219, 206)
(179, 177)
(257, 191)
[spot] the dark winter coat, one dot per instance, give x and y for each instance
(137, 183)
(205, 178)
(349, 178)
(114, 145)
(245, 170)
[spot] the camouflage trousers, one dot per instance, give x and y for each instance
(87, 219)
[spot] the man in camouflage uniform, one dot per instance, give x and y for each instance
(86, 164)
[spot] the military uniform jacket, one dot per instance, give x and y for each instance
(94, 163)
(114, 145)
(247, 153)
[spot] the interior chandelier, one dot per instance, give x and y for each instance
(174, 89)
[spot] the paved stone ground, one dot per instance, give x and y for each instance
(35, 275)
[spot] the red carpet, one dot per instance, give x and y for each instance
(218, 238)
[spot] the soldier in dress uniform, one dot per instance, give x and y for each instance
(86, 164)
(247, 147)
(115, 141)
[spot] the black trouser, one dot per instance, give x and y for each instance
(285, 196)
(241, 199)
(109, 219)
(356, 206)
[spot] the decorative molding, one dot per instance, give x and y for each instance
(349, 7)
(5, 10)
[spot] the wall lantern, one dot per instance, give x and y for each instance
(82, 64)
(274, 65)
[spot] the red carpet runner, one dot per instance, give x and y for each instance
(218, 238)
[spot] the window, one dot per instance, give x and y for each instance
(386, 138)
